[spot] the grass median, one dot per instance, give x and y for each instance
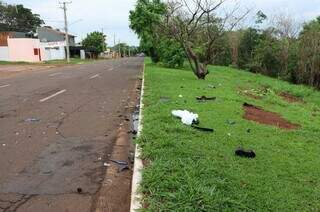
(190, 170)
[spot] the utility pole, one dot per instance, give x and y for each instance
(119, 49)
(64, 7)
(103, 42)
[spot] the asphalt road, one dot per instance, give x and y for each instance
(56, 131)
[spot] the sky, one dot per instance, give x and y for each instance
(112, 16)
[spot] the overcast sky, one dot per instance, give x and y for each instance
(112, 15)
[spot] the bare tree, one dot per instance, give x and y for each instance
(198, 25)
(286, 28)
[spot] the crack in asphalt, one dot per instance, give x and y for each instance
(14, 205)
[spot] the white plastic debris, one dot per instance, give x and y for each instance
(106, 164)
(180, 96)
(186, 117)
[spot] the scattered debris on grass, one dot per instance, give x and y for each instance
(186, 117)
(211, 86)
(230, 122)
(255, 93)
(180, 96)
(204, 98)
(261, 116)
(290, 98)
(245, 153)
(204, 129)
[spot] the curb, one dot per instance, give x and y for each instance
(138, 165)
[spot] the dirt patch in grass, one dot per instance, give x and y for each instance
(290, 98)
(261, 116)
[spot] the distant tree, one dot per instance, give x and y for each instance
(267, 54)
(18, 18)
(95, 42)
(170, 52)
(234, 38)
(248, 43)
(286, 29)
(144, 20)
(122, 48)
(309, 53)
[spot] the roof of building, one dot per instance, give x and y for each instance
(56, 31)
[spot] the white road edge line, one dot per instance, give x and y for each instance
(94, 76)
(54, 74)
(138, 165)
(53, 95)
(3, 86)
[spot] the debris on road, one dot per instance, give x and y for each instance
(204, 98)
(245, 153)
(79, 190)
(122, 165)
(186, 117)
(120, 162)
(30, 120)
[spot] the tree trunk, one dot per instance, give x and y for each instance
(199, 69)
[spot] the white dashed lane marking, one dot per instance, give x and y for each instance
(54, 74)
(53, 95)
(94, 76)
(4, 86)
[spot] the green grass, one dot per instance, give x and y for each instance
(188, 170)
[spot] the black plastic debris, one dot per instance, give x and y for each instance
(204, 98)
(245, 153)
(248, 130)
(134, 132)
(122, 165)
(122, 168)
(120, 162)
(79, 190)
(204, 129)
